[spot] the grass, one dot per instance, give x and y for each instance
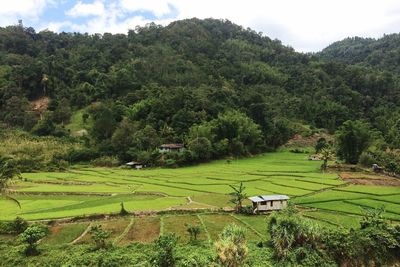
(215, 223)
(372, 190)
(49, 207)
(335, 219)
(64, 233)
(76, 123)
(88, 190)
(31, 151)
(178, 225)
(115, 226)
(350, 207)
(144, 230)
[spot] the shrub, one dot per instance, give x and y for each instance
(82, 155)
(231, 247)
(99, 236)
(367, 159)
(19, 225)
(193, 231)
(123, 211)
(321, 144)
(106, 161)
(31, 236)
(165, 246)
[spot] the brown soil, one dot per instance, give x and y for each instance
(40, 105)
(308, 141)
(369, 179)
(55, 229)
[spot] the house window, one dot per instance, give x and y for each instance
(272, 203)
(263, 203)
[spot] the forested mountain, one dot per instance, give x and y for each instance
(213, 85)
(383, 53)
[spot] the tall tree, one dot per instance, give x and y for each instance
(353, 137)
(8, 171)
(238, 195)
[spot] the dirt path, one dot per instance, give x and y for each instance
(82, 235)
(124, 233)
(205, 228)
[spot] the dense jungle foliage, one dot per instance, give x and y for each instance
(220, 89)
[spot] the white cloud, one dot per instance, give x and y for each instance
(56, 26)
(83, 10)
(12, 10)
(157, 7)
(307, 25)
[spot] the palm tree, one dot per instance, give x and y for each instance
(238, 196)
(326, 155)
(8, 172)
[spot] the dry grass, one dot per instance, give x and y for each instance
(178, 224)
(144, 230)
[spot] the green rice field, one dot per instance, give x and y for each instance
(89, 191)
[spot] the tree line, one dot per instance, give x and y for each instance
(219, 88)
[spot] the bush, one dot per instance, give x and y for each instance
(99, 236)
(123, 211)
(194, 231)
(321, 144)
(82, 155)
(165, 246)
(19, 225)
(298, 151)
(170, 163)
(231, 247)
(106, 161)
(367, 159)
(31, 236)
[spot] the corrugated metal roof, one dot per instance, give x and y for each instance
(268, 198)
(172, 146)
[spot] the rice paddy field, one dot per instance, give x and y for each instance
(323, 197)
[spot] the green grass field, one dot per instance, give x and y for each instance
(88, 191)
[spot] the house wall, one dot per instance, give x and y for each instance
(272, 205)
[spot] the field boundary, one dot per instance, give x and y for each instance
(125, 232)
(248, 226)
(205, 229)
(76, 240)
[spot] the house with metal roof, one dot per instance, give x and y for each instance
(269, 202)
(171, 147)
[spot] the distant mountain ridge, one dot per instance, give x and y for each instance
(382, 53)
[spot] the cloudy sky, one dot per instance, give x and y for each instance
(306, 25)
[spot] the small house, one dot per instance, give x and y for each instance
(171, 147)
(134, 164)
(376, 168)
(269, 202)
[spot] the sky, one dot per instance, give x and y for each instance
(305, 25)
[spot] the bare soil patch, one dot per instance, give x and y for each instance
(369, 179)
(40, 105)
(307, 141)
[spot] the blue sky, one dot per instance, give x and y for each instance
(306, 25)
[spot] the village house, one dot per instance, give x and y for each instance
(171, 147)
(269, 202)
(136, 165)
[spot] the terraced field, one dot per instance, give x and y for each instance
(146, 229)
(88, 191)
